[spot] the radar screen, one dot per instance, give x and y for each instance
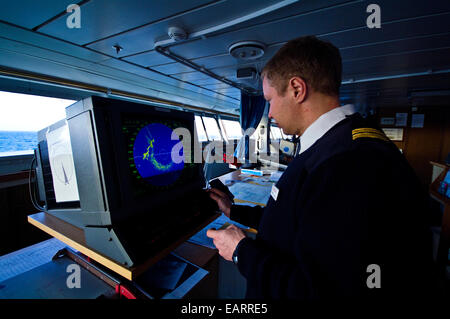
(155, 158)
(152, 155)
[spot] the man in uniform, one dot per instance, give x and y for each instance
(346, 217)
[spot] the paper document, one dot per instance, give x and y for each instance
(62, 166)
(417, 120)
(257, 192)
(275, 176)
(401, 119)
(201, 239)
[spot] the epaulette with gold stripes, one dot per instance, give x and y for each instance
(370, 133)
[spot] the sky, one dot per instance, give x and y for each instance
(23, 112)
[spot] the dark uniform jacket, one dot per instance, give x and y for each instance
(349, 202)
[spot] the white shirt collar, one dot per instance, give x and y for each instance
(323, 124)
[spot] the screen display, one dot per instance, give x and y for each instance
(152, 155)
(156, 157)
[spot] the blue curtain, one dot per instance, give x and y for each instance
(252, 110)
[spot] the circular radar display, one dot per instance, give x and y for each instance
(152, 152)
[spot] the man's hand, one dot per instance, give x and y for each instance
(226, 240)
(222, 199)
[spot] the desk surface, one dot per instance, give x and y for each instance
(66, 234)
(25, 259)
(74, 237)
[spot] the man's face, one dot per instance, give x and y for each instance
(280, 107)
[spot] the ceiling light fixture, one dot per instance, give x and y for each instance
(247, 50)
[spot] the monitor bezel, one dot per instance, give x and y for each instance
(108, 117)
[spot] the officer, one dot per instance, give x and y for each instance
(346, 217)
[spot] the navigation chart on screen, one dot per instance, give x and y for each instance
(152, 154)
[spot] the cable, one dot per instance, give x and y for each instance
(32, 194)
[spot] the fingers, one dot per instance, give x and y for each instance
(226, 240)
(222, 200)
(231, 226)
(211, 233)
(218, 192)
(214, 196)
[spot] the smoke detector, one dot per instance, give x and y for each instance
(177, 34)
(247, 50)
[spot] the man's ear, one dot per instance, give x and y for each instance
(298, 89)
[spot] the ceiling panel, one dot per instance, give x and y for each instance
(400, 88)
(391, 31)
(172, 68)
(297, 8)
(133, 42)
(225, 72)
(230, 91)
(193, 22)
(320, 22)
(31, 13)
(222, 60)
(414, 83)
(390, 10)
(207, 92)
(217, 87)
(123, 65)
(335, 20)
(53, 47)
(220, 96)
(207, 81)
(217, 61)
(149, 59)
(191, 76)
(414, 37)
(103, 18)
(402, 63)
(396, 46)
(223, 65)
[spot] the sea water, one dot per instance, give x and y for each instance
(17, 141)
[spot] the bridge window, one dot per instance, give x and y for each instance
(200, 129)
(212, 129)
(22, 115)
(232, 129)
(276, 133)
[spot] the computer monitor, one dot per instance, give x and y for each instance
(138, 189)
(55, 169)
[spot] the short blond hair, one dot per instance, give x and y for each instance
(317, 62)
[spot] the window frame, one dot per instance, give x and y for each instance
(204, 128)
(273, 135)
(225, 129)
